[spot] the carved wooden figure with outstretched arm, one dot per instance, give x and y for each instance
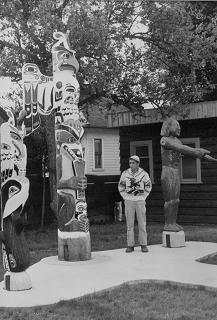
(171, 150)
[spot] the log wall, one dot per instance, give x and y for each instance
(198, 202)
(198, 110)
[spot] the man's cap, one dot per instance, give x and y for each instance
(136, 158)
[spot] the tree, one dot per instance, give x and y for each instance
(203, 15)
(174, 61)
(130, 52)
(175, 54)
(27, 28)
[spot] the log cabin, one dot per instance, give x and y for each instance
(141, 136)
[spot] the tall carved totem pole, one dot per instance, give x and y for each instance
(73, 224)
(60, 95)
(14, 193)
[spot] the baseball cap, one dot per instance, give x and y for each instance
(136, 158)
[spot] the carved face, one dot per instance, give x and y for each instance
(68, 143)
(69, 107)
(31, 71)
(63, 55)
(67, 94)
(12, 151)
(175, 129)
(81, 210)
(14, 195)
(63, 59)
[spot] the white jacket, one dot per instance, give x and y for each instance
(134, 186)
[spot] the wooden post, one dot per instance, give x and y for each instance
(43, 202)
(173, 239)
(17, 281)
(74, 246)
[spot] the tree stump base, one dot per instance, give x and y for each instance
(17, 281)
(172, 239)
(74, 246)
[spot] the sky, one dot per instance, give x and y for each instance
(5, 86)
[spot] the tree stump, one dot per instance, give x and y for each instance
(74, 246)
(173, 239)
(17, 281)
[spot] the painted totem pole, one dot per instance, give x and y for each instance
(73, 224)
(60, 94)
(14, 193)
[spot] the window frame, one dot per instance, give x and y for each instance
(147, 143)
(198, 180)
(94, 155)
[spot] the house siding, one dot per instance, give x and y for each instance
(111, 160)
(102, 185)
(102, 191)
(198, 202)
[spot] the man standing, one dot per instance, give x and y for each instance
(134, 187)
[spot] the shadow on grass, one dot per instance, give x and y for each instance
(137, 301)
(209, 259)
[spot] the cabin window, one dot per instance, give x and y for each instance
(190, 168)
(98, 161)
(143, 149)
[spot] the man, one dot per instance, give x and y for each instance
(171, 150)
(134, 187)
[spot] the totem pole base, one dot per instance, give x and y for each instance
(74, 246)
(17, 281)
(171, 239)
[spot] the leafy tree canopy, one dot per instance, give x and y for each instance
(129, 52)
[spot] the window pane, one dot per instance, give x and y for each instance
(189, 168)
(98, 162)
(192, 145)
(144, 164)
(98, 145)
(142, 151)
(189, 165)
(98, 153)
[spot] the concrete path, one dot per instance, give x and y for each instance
(53, 280)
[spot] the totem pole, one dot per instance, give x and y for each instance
(14, 193)
(73, 224)
(60, 95)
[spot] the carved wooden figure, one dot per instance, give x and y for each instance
(171, 150)
(14, 193)
(73, 233)
(60, 94)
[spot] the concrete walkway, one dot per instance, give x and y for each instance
(53, 281)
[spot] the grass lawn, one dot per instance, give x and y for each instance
(151, 301)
